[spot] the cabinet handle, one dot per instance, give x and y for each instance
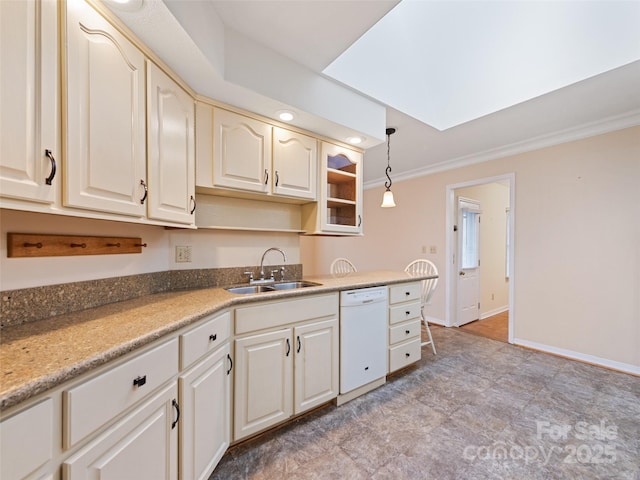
(407, 312)
(266, 176)
(407, 332)
(177, 407)
(288, 347)
(277, 178)
(230, 364)
(299, 345)
(49, 179)
(407, 355)
(140, 381)
(193, 200)
(146, 192)
(359, 220)
(213, 337)
(407, 293)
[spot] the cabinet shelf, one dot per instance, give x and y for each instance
(339, 202)
(339, 176)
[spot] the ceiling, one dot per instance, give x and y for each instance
(270, 55)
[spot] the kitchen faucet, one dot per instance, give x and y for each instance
(262, 279)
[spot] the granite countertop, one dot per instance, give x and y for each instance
(38, 356)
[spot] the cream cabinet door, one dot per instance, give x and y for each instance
(104, 107)
(316, 364)
(171, 144)
(263, 391)
(28, 95)
(242, 152)
(205, 426)
(142, 446)
(341, 189)
(27, 441)
(295, 158)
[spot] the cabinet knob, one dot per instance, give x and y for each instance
(407, 332)
(213, 337)
(407, 312)
(407, 355)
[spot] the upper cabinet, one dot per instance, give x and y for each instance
(171, 154)
(104, 106)
(295, 157)
(339, 206)
(29, 152)
(128, 127)
(236, 152)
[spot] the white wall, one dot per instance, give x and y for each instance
(577, 242)
(211, 249)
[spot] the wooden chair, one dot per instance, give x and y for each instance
(423, 267)
(341, 267)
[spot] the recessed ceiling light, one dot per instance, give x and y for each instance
(126, 5)
(355, 140)
(285, 116)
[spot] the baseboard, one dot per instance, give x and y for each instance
(495, 311)
(583, 357)
(435, 320)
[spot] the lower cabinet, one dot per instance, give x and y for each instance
(285, 371)
(141, 446)
(404, 325)
(205, 425)
(26, 441)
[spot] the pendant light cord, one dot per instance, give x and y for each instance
(388, 169)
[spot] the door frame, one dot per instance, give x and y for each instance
(451, 249)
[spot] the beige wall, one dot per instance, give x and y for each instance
(577, 242)
(494, 286)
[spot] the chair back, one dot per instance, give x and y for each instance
(342, 266)
(422, 267)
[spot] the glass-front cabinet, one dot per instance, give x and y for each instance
(339, 207)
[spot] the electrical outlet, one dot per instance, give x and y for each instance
(183, 254)
(424, 249)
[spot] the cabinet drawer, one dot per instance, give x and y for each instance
(404, 292)
(404, 331)
(204, 338)
(402, 313)
(93, 403)
(404, 354)
(26, 440)
(285, 312)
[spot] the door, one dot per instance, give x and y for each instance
(294, 164)
(206, 415)
(142, 446)
(28, 94)
(263, 379)
(242, 152)
(104, 99)
(316, 364)
(468, 264)
(171, 149)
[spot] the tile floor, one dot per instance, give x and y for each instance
(480, 409)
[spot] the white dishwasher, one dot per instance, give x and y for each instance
(363, 337)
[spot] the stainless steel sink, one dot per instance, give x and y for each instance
(251, 289)
(291, 285)
(270, 287)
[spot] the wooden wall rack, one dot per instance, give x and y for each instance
(45, 245)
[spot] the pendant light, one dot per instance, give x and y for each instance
(387, 199)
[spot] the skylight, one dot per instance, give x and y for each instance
(448, 62)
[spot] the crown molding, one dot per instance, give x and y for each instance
(599, 127)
